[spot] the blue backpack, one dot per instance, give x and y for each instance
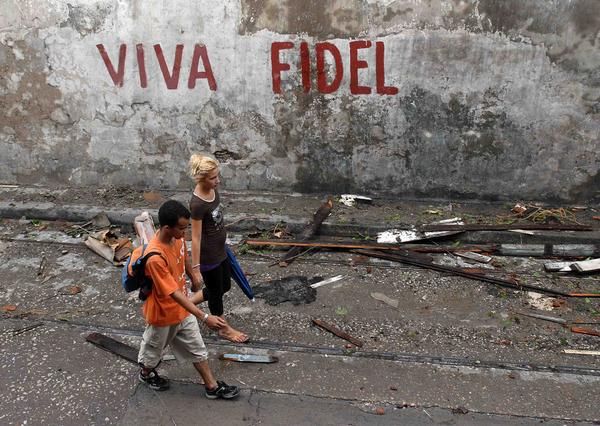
(137, 279)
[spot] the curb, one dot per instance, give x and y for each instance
(240, 223)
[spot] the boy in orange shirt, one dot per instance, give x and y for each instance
(170, 315)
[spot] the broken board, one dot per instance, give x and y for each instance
(263, 359)
(327, 281)
(111, 345)
(558, 266)
(474, 256)
(586, 265)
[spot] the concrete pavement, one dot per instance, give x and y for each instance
(452, 346)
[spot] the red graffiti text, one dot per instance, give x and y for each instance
(328, 49)
(170, 74)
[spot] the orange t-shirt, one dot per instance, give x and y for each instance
(167, 272)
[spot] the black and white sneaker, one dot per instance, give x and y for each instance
(154, 381)
(223, 390)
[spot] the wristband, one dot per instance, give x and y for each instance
(196, 266)
(205, 317)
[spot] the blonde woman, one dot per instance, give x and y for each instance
(209, 259)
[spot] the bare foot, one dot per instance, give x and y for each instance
(233, 335)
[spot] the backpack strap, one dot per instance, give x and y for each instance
(149, 255)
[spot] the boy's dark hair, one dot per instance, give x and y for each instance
(170, 213)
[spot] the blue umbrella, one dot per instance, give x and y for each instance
(238, 275)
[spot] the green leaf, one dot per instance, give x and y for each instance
(340, 310)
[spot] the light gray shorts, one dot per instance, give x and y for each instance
(185, 340)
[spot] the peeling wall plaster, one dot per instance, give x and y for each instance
(496, 99)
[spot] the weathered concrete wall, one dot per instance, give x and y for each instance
(481, 98)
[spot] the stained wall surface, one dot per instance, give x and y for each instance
(479, 99)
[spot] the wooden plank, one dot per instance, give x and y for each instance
(309, 231)
(581, 352)
(544, 317)
(575, 250)
(114, 346)
(333, 329)
(586, 265)
(558, 266)
(587, 331)
(262, 359)
(319, 244)
(522, 250)
(373, 246)
(474, 256)
(584, 294)
(506, 227)
(550, 250)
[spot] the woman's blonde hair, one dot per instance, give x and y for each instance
(202, 165)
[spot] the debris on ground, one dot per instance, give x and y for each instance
(558, 266)
(280, 231)
(582, 330)
(539, 301)
(99, 221)
(542, 215)
(333, 329)
(309, 231)
(519, 208)
(107, 245)
(572, 326)
(592, 265)
(539, 214)
(42, 267)
(114, 346)
(393, 236)
(549, 250)
(8, 308)
(351, 200)
(144, 227)
(457, 271)
(504, 227)
(459, 410)
(22, 330)
(543, 317)
(474, 256)
(380, 411)
(295, 289)
(581, 352)
(71, 290)
(385, 299)
(327, 281)
(318, 244)
(262, 359)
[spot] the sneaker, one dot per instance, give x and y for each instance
(223, 390)
(154, 381)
